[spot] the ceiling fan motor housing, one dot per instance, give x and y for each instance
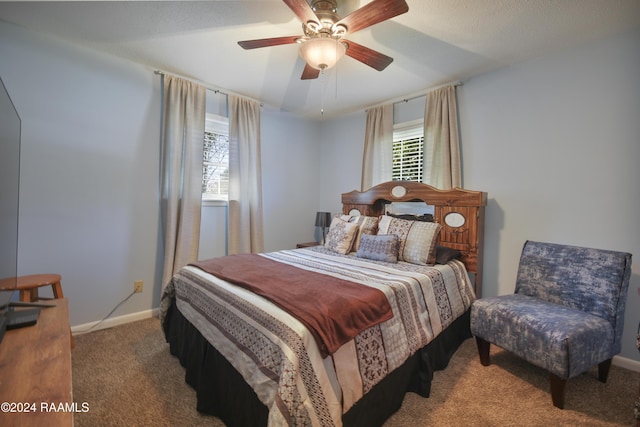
(326, 12)
(326, 9)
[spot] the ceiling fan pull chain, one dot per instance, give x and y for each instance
(322, 84)
(335, 94)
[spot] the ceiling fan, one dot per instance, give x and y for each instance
(323, 43)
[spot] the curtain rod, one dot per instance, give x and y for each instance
(215, 90)
(415, 95)
(207, 86)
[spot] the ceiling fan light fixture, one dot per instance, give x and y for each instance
(322, 53)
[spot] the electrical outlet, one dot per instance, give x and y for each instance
(137, 286)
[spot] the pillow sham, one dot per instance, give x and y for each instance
(418, 239)
(381, 247)
(341, 235)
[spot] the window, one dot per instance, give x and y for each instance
(215, 165)
(408, 143)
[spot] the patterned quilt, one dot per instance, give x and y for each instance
(279, 358)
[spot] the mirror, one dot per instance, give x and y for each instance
(454, 220)
(413, 208)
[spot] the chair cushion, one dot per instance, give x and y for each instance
(564, 341)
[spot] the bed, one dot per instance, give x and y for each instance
(335, 334)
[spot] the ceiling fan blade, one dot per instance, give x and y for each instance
(302, 10)
(373, 13)
(309, 73)
(275, 41)
(367, 56)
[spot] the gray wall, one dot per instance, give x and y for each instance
(89, 171)
(556, 143)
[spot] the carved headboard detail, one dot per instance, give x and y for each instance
(459, 211)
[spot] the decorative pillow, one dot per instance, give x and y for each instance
(418, 239)
(445, 254)
(379, 248)
(341, 235)
(366, 225)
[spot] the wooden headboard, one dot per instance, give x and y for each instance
(459, 211)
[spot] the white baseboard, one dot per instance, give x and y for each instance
(114, 321)
(623, 362)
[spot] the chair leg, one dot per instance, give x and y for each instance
(25, 296)
(557, 390)
(603, 370)
(483, 351)
(29, 295)
(57, 290)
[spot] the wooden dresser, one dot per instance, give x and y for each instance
(35, 372)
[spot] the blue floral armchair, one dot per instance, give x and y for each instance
(566, 315)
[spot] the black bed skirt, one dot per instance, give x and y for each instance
(221, 390)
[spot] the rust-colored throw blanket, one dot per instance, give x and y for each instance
(334, 310)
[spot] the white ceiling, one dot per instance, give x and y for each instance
(436, 42)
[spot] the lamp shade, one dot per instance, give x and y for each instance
(323, 219)
(322, 53)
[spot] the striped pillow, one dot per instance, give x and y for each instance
(418, 239)
(366, 225)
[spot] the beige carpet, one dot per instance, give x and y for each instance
(128, 378)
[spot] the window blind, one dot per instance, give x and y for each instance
(215, 160)
(408, 146)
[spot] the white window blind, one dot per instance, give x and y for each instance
(215, 164)
(408, 146)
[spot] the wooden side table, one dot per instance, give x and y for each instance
(35, 369)
(307, 245)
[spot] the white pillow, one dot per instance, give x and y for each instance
(418, 239)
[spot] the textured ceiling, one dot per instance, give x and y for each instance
(436, 42)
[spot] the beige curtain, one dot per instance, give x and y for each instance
(441, 142)
(245, 177)
(181, 171)
(377, 160)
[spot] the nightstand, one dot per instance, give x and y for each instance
(307, 245)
